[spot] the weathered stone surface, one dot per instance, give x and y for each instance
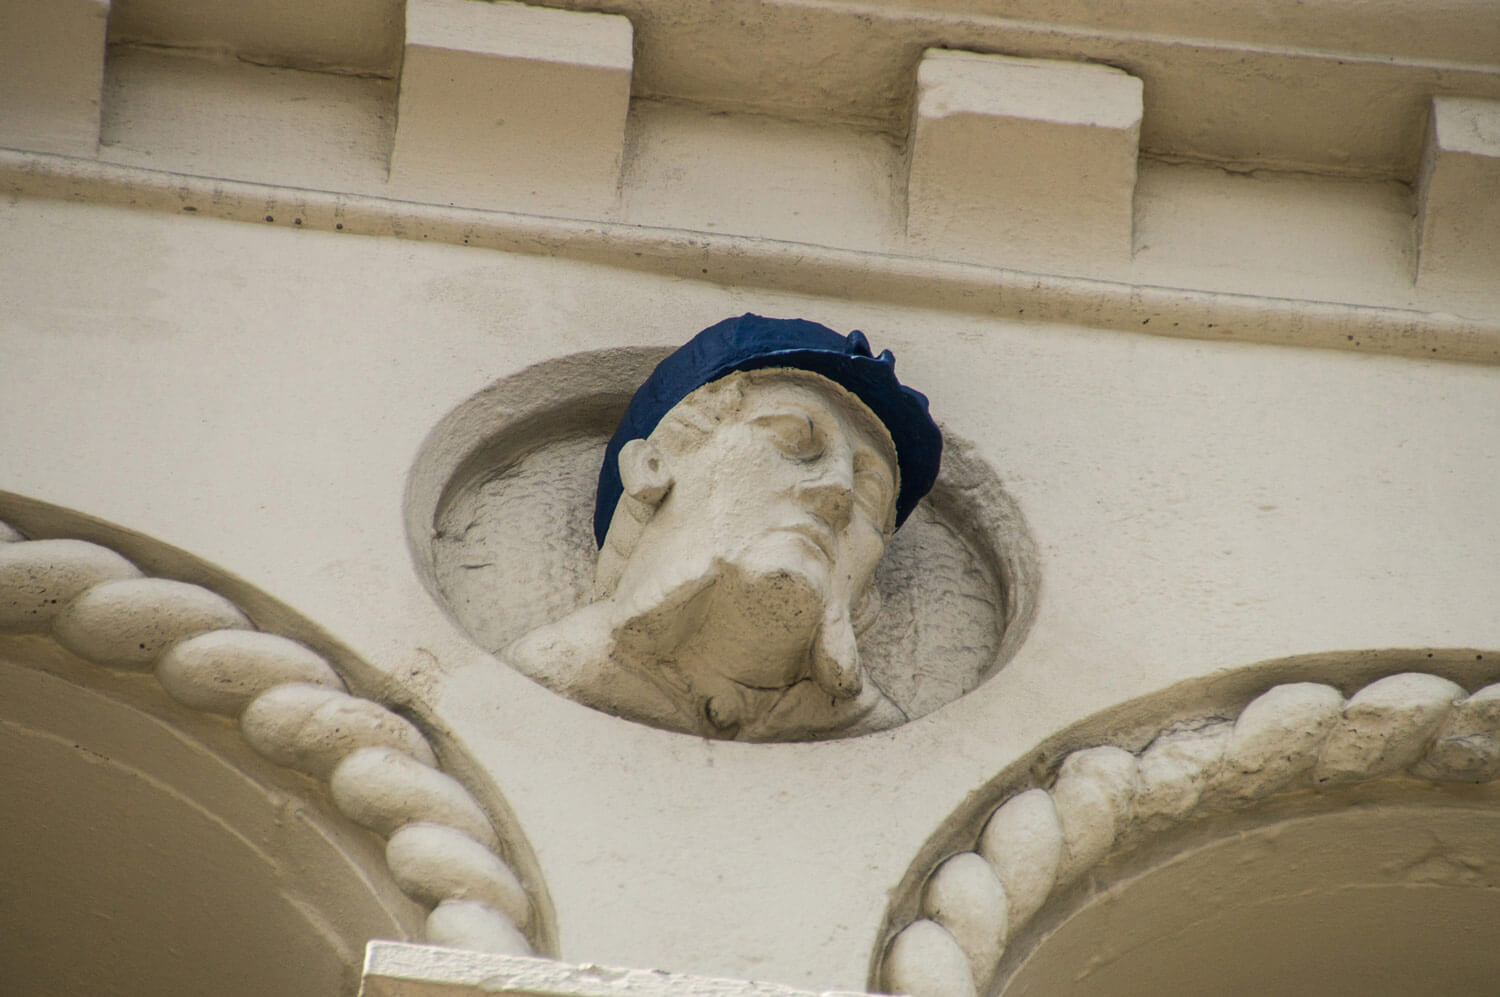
(129, 623)
(924, 960)
(469, 924)
(223, 670)
(38, 578)
(312, 729)
(1093, 793)
(1385, 727)
(1466, 747)
(733, 609)
(435, 862)
(1174, 771)
(965, 896)
(1022, 841)
(1277, 738)
(385, 789)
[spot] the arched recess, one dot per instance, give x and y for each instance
(1323, 824)
(203, 793)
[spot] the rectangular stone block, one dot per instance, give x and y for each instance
(398, 969)
(51, 72)
(1458, 194)
(1023, 161)
(509, 106)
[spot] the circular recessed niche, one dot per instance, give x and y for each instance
(499, 511)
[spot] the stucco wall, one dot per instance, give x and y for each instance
(257, 395)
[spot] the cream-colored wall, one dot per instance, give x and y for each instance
(238, 290)
(256, 395)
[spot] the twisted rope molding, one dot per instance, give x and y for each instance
(1300, 735)
(293, 709)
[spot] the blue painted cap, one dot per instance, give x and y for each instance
(751, 342)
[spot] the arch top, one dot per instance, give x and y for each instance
(967, 913)
(216, 646)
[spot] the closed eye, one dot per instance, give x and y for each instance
(793, 434)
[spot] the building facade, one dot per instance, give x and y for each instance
(316, 318)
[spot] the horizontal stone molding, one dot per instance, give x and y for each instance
(1294, 737)
(292, 708)
(775, 265)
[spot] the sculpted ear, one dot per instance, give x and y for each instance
(644, 473)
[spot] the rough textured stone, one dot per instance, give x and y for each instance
(1277, 739)
(312, 729)
(129, 623)
(223, 670)
(1385, 727)
(1022, 841)
(1093, 794)
(1174, 771)
(435, 862)
(1466, 747)
(384, 790)
(38, 578)
(468, 924)
(965, 896)
(924, 960)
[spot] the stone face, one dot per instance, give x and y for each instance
(504, 105)
(1020, 161)
(738, 568)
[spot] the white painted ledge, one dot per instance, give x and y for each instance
(397, 969)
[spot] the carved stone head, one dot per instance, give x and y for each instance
(742, 509)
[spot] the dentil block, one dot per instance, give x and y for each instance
(51, 71)
(1458, 191)
(505, 105)
(1023, 161)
